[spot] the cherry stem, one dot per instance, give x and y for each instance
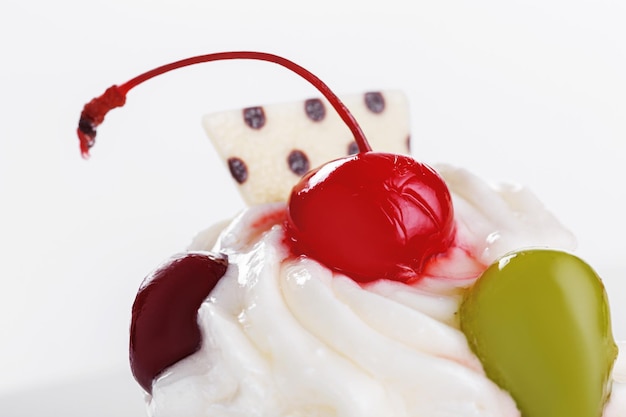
(115, 96)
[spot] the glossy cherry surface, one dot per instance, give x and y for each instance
(164, 327)
(371, 216)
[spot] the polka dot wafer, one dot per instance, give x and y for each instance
(268, 148)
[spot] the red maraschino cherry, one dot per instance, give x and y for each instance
(370, 216)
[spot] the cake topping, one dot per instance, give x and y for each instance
(164, 327)
(314, 109)
(298, 162)
(375, 102)
(306, 126)
(370, 215)
(238, 169)
(537, 319)
(539, 322)
(254, 117)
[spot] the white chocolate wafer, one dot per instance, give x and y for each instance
(267, 149)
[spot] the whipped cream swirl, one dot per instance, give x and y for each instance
(287, 337)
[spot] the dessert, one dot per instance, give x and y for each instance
(378, 287)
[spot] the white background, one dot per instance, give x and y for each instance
(532, 91)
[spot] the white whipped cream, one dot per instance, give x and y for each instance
(285, 337)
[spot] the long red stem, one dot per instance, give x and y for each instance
(94, 112)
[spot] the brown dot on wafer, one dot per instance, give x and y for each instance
(314, 109)
(375, 102)
(238, 169)
(298, 162)
(254, 117)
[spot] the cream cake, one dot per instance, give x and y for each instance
(360, 282)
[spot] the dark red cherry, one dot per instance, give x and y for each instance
(371, 216)
(164, 327)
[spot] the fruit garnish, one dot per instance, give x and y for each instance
(164, 327)
(370, 216)
(267, 159)
(539, 322)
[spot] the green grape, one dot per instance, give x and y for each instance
(539, 322)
